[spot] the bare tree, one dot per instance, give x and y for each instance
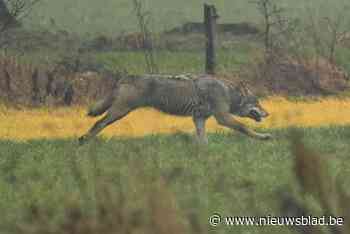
(327, 32)
(282, 34)
(336, 32)
(312, 30)
(143, 18)
(11, 11)
(5, 16)
(270, 13)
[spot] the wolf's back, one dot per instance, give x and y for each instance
(100, 106)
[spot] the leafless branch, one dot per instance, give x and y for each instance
(144, 19)
(271, 14)
(15, 10)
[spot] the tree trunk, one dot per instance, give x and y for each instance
(6, 19)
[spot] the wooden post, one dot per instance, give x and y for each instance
(50, 78)
(68, 93)
(35, 87)
(8, 85)
(210, 17)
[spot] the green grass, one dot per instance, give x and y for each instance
(174, 62)
(88, 18)
(233, 175)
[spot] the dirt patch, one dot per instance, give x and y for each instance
(28, 85)
(293, 78)
(28, 41)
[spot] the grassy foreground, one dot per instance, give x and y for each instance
(50, 184)
(158, 182)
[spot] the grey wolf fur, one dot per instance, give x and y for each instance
(200, 98)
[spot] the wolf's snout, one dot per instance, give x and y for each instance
(258, 114)
(255, 115)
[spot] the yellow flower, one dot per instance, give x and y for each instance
(72, 122)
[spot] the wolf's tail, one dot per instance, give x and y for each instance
(101, 106)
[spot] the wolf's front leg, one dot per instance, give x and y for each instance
(227, 120)
(201, 136)
(117, 112)
(98, 126)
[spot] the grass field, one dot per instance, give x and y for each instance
(233, 175)
(175, 62)
(88, 16)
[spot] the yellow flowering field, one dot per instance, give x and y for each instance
(72, 122)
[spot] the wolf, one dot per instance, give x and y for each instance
(199, 97)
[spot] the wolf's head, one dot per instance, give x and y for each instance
(248, 105)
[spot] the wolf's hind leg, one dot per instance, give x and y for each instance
(111, 116)
(227, 120)
(200, 130)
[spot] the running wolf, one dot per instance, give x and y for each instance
(199, 97)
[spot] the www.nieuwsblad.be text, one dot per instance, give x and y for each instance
(219, 220)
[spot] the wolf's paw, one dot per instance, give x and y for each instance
(201, 140)
(82, 140)
(265, 136)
